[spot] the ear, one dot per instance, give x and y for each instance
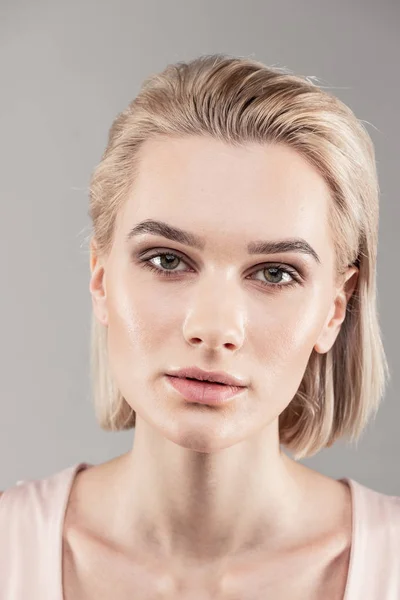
(97, 285)
(337, 314)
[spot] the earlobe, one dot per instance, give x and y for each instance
(327, 337)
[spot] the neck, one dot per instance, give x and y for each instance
(200, 507)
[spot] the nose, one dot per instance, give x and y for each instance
(216, 318)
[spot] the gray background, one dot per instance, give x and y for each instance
(66, 69)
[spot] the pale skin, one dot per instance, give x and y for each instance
(206, 504)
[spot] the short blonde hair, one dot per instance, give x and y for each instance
(239, 100)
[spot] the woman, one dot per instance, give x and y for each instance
(235, 219)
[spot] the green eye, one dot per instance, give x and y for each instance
(273, 273)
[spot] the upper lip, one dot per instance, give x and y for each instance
(201, 375)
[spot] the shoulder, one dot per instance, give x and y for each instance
(378, 511)
(377, 498)
(37, 494)
(33, 506)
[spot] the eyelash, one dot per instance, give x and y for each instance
(296, 279)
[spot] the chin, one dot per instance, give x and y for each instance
(198, 427)
(203, 431)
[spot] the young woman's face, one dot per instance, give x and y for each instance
(256, 316)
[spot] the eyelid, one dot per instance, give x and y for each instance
(297, 271)
(142, 256)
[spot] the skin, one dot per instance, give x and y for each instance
(208, 491)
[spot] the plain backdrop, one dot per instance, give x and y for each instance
(66, 69)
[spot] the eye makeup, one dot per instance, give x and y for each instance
(288, 276)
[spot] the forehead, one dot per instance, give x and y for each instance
(249, 192)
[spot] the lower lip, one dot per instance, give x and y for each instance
(204, 392)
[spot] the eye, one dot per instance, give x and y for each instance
(167, 261)
(275, 275)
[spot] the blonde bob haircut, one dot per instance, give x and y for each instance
(239, 100)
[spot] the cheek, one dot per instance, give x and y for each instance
(132, 346)
(131, 324)
(138, 322)
(285, 340)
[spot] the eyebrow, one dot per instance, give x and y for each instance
(187, 238)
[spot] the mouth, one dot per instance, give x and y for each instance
(204, 381)
(204, 392)
(194, 373)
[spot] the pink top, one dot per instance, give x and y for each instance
(31, 524)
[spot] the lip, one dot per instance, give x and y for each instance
(204, 392)
(208, 376)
